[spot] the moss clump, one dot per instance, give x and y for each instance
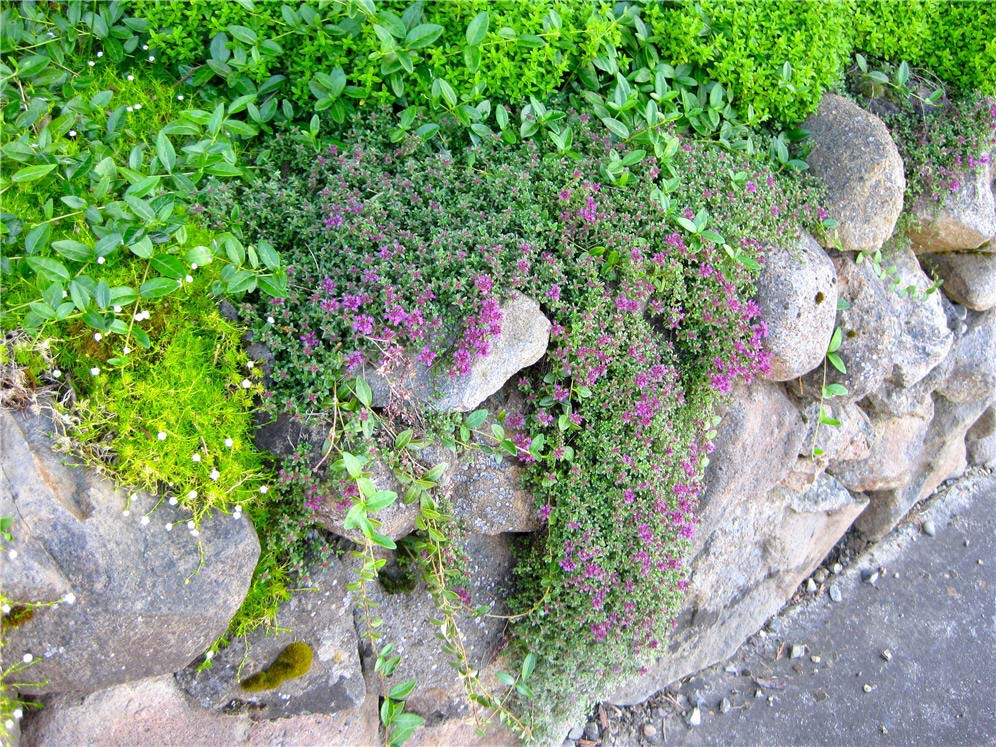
(293, 661)
(18, 615)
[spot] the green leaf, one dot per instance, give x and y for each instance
(73, 250)
(363, 392)
(476, 419)
(165, 151)
(37, 238)
(51, 269)
(402, 690)
(616, 127)
(423, 35)
(382, 540)
(435, 473)
(33, 173)
(477, 29)
(353, 464)
(403, 439)
(169, 265)
(686, 224)
(835, 340)
(243, 34)
(102, 294)
(268, 255)
(199, 255)
(834, 390)
(505, 678)
(528, 665)
(80, 295)
(381, 500)
(142, 248)
(836, 362)
(158, 287)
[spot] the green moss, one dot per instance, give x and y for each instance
(18, 615)
(293, 661)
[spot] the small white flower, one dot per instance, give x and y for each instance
(269, 320)
(161, 435)
(145, 521)
(70, 598)
(152, 58)
(209, 655)
(250, 365)
(65, 293)
(169, 527)
(192, 494)
(126, 512)
(72, 133)
(246, 383)
(117, 309)
(196, 457)
(191, 525)
(100, 54)
(27, 658)
(129, 109)
(194, 533)
(9, 723)
(215, 474)
(179, 97)
(193, 265)
(18, 713)
(145, 47)
(137, 107)
(263, 489)
(5, 608)
(173, 500)
(57, 373)
(189, 279)
(100, 260)
(12, 554)
(97, 336)
(133, 497)
(126, 350)
(229, 443)
(130, 76)
(95, 371)
(91, 63)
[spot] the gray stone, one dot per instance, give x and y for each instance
(407, 623)
(750, 556)
(854, 154)
(575, 733)
(322, 618)
(894, 454)
(725, 706)
(850, 440)
(943, 456)
(835, 593)
(969, 279)
(147, 600)
(155, 711)
(797, 651)
(592, 732)
(525, 333)
(649, 731)
(966, 220)
(980, 441)
(871, 330)
(972, 373)
(797, 293)
(928, 528)
(811, 586)
(695, 718)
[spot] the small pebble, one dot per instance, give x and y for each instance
(867, 688)
(837, 568)
(820, 576)
(797, 651)
(758, 694)
(835, 593)
(887, 655)
(649, 731)
(725, 706)
(696, 718)
(811, 586)
(815, 659)
(967, 543)
(591, 731)
(872, 578)
(928, 528)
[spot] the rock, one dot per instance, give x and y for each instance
(851, 440)
(797, 651)
(575, 733)
(797, 293)
(725, 706)
(155, 711)
(811, 586)
(969, 279)
(871, 331)
(650, 731)
(854, 154)
(525, 333)
(966, 220)
(924, 338)
(835, 593)
(396, 521)
(980, 441)
(942, 456)
(972, 374)
(321, 618)
(820, 575)
(407, 623)
(887, 655)
(837, 569)
(592, 732)
(895, 452)
(752, 552)
(147, 600)
(928, 528)
(695, 718)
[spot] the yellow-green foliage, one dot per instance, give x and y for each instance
(176, 418)
(293, 661)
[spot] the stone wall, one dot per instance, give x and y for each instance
(121, 660)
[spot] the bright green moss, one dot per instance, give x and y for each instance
(293, 661)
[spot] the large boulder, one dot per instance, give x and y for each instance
(756, 554)
(851, 440)
(971, 375)
(942, 457)
(524, 336)
(408, 623)
(320, 617)
(797, 293)
(156, 712)
(966, 219)
(146, 600)
(969, 279)
(871, 331)
(980, 441)
(894, 454)
(854, 154)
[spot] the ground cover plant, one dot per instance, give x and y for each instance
(368, 182)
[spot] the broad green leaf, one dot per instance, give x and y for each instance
(363, 392)
(165, 151)
(169, 265)
(477, 29)
(528, 665)
(616, 127)
(423, 35)
(73, 250)
(37, 238)
(476, 419)
(353, 464)
(49, 268)
(435, 473)
(33, 173)
(158, 287)
(402, 690)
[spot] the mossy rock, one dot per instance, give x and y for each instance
(293, 661)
